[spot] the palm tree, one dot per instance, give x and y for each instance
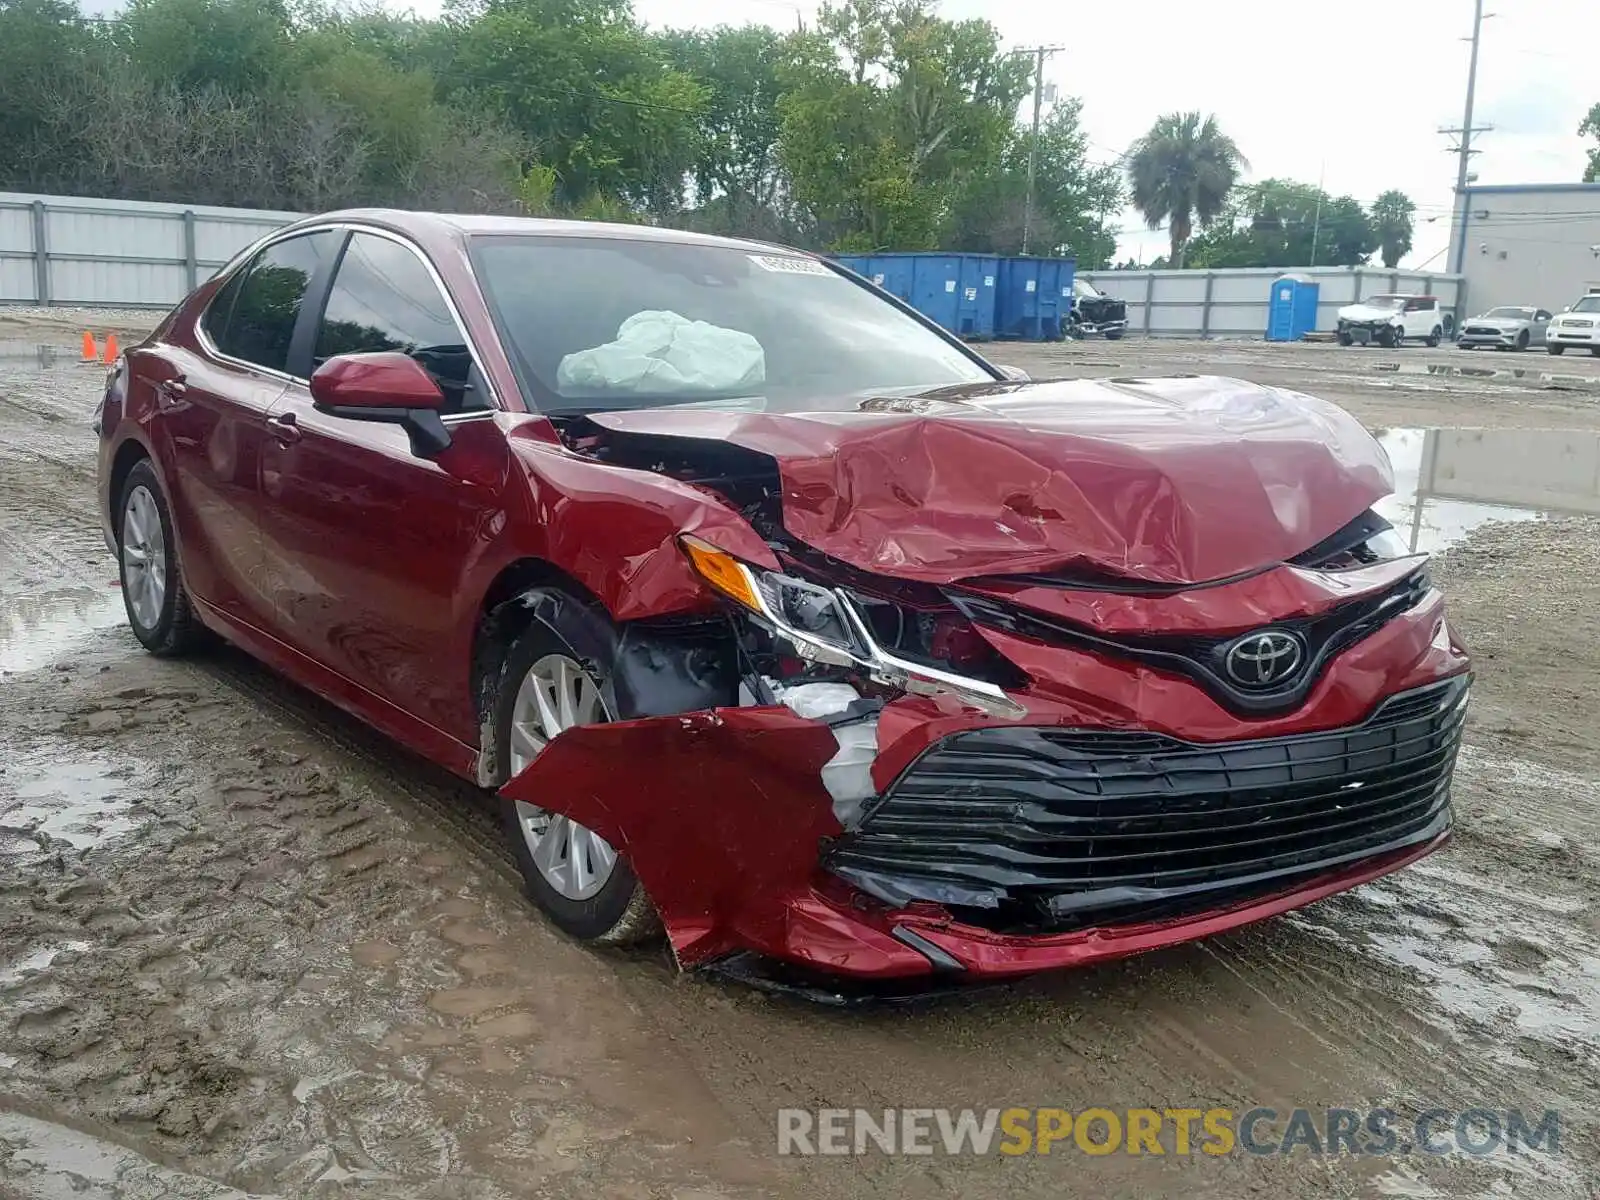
(1181, 172)
(1391, 214)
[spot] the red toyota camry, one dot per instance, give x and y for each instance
(782, 622)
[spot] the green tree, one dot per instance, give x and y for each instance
(240, 46)
(590, 89)
(737, 174)
(44, 47)
(1180, 173)
(1591, 128)
(1073, 199)
(1392, 217)
(1281, 223)
(888, 112)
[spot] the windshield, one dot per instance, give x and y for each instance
(1083, 289)
(1511, 314)
(1587, 304)
(1391, 302)
(608, 323)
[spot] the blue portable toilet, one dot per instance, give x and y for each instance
(1035, 297)
(1292, 308)
(956, 290)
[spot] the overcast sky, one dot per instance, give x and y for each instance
(1352, 92)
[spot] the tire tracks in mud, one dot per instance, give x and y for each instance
(316, 941)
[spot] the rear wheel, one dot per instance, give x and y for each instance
(158, 606)
(1113, 335)
(1436, 336)
(577, 877)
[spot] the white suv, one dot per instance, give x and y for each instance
(1390, 320)
(1576, 326)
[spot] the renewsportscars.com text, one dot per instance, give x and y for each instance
(1175, 1131)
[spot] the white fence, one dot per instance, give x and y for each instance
(117, 253)
(1233, 303)
(133, 254)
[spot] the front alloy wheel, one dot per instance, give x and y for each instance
(557, 695)
(572, 873)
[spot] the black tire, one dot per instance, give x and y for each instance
(1435, 337)
(1522, 340)
(620, 913)
(1345, 339)
(1557, 350)
(177, 630)
(1594, 351)
(1113, 335)
(1393, 339)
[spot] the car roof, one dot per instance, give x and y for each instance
(421, 224)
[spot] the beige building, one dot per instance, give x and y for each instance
(1536, 243)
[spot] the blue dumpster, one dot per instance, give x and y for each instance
(1035, 298)
(1292, 308)
(956, 290)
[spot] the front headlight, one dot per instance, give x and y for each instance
(828, 625)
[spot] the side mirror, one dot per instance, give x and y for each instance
(1016, 373)
(384, 386)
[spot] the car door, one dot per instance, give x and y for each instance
(1419, 317)
(365, 542)
(213, 402)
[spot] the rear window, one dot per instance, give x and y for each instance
(599, 323)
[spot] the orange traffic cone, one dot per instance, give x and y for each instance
(109, 354)
(89, 352)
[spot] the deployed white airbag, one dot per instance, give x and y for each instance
(662, 353)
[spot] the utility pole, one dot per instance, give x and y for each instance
(1464, 135)
(1039, 53)
(1316, 222)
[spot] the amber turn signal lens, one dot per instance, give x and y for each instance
(722, 571)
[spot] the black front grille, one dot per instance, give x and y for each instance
(1037, 828)
(1482, 331)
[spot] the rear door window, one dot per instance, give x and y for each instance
(253, 317)
(384, 298)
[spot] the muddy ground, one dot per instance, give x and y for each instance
(247, 947)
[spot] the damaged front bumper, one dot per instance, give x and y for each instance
(925, 838)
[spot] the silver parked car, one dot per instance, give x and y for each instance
(1509, 327)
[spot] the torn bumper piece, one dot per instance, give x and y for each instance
(725, 818)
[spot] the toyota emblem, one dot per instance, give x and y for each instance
(1264, 659)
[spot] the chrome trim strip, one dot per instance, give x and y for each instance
(390, 235)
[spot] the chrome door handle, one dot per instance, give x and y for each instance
(285, 429)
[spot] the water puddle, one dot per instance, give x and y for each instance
(35, 630)
(39, 354)
(39, 960)
(53, 1160)
(1525, 374)
(84, 804)
(1447, 482)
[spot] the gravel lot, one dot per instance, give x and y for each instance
(247, 947)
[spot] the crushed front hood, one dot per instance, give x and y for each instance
(1175, 480)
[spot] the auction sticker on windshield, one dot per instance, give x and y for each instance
(789, 266)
